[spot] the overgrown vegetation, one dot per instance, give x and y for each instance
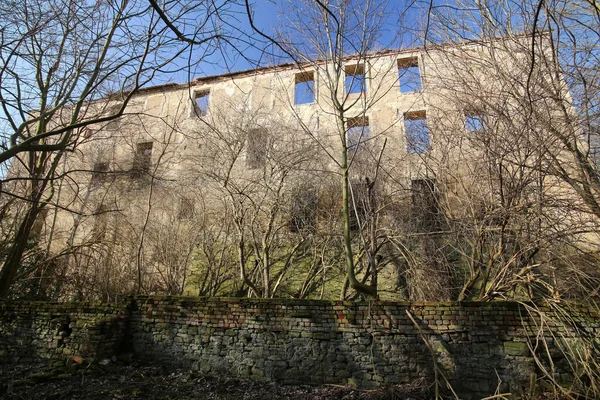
(505, 206)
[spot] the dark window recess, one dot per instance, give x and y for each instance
(409, 75)
(256, 150)
(355, 79)
(304, 211)
(304, 89)
(358, 133)
(417, 132)
(186, 209)
(100, 172)
(425, 206)
(201, 100)
(100, 223)
(142, 159)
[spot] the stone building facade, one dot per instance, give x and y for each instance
(168, 194)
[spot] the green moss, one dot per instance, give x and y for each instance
(439, 348)
(516, 348)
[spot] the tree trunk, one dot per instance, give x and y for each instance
(13, 259)
(354, 284)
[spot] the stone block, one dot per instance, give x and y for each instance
(516, 348)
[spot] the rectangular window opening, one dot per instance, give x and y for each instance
(355, 79)
(409, 75)
(475, 121)
(186, 209)
(100, 223)
(417, 132)
(256, 151)
(201, 100)
(100, 172)
(425, 208)
(357, 133)
(142, 159)
(304, 89)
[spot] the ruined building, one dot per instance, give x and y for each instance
(230, 185)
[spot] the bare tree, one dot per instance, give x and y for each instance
(335, 41)
(512, 85)
(66, 66)
(521, 88)
(248, 169)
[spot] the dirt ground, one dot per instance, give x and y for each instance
(115, 380)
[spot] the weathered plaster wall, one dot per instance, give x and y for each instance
(476, 345)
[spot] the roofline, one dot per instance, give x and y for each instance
(303, 65)
(295, 65)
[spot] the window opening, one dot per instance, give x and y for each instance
(409, 75)
(142, 159)
(475, 121)
(186, 209)
(100, 172)
(256, 152)
(201, 99)
(100, 223)
(417, 132)
(424, 203)
(358, 132)
(355, 79)
(304, 89)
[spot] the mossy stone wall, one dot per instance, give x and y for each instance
(35, 331)
(478, 347)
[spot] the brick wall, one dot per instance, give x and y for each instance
(477, 346)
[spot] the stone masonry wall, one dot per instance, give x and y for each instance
(35, 331)
(477, 346)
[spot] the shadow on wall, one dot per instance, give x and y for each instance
(31, 332)
(479, 348)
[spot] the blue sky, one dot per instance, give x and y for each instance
(268, 18)
(229, 59)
